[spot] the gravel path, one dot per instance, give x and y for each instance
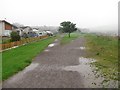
(46, 69)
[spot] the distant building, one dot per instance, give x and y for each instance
(19, 31)
(49, 33)
(6, 28)
(27, 30)
(36, 32)
(40, 32)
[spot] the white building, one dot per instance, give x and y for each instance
(40, 32)
(6, 28)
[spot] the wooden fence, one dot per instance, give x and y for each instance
(21, 42)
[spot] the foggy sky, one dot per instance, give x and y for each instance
(85, 13)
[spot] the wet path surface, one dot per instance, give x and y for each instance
(56, 67)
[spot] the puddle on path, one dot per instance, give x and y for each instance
(86, 71)
(52, 45)
(83, 60)
(82, 48)
(46, 50)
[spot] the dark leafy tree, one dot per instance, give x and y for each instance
(67, 27)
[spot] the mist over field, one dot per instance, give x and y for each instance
(110, 30)
(96, 15)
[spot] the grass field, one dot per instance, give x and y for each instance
(66, 39)
(17, 59)
(0, 67)
(105, 50)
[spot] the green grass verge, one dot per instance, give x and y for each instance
(105, 50)
(17, 59)
(0, 67)
(66, 39)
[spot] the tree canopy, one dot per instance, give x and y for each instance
(67, 27)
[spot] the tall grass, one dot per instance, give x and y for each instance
(105, 50)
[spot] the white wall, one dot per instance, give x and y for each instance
(7, 32)
(4, 32)
(20, 32)
(1, 28)
(26, 30)
(42, 33)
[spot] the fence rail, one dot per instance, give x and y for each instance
(21, 42)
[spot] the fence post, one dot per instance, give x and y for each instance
(0, 47)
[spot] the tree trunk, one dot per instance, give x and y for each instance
(69, 35)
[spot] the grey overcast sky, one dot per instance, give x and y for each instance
(85, 13)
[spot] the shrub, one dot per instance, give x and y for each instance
(14, 36)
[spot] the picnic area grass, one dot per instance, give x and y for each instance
(105, 50)
(66, 38)
(17, 59)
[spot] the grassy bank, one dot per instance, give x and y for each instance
(17, 59)
(66, 39)
(0, 67)
(105, 50)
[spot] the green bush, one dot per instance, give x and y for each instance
(14, 36)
